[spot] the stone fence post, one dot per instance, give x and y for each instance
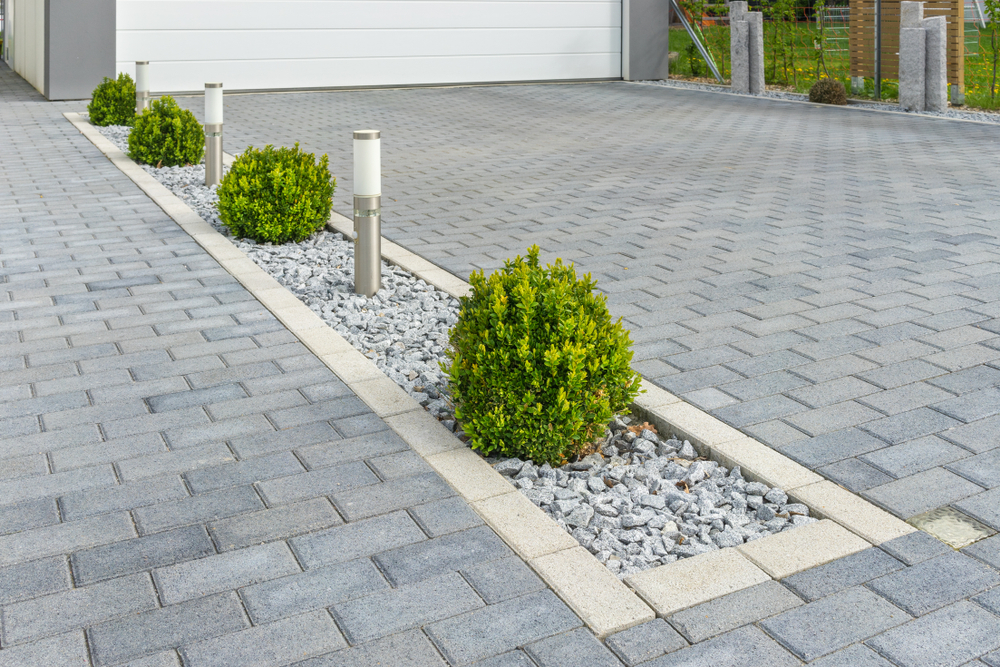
(923, 59)
(746, 49)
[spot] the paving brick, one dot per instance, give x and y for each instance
(978, 437)
(405, 649)
(918, 493)
(143, 553)
(510, 659)
(278, 441)
(243, 472)
(60, 612)
(854, 475)
(66, 650)
(33, 579)
(356, 540)
(112, 451)
(914, 456)
(196, 578)
(934, 583)
(193, 397)
(197, 509)
(744, 647)
(500, 580)
(831, 447)
(317, 482)
(832, 418)
(983, 469)
(990, 601)
(126, 496)
(416, 562)
(645, 642)
(123, 428)
(414, 605)
(326, 454)
(180, 437)
(28, 515)
(915, 547)
(856, 655)
(275, 643)
(364, 424)
(572, 648)
(64, 538)
(833, 622)
(274, 524)
(30, 488)
(763, 409)
(987, 550)
(499, 628)
(908, 425)
(441, 517)
(734, 610)
(402, 464)
(389, 496)
(949, 636)
(168, 627)
(327, 410)
(225, 375)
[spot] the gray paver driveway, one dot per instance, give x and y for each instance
(825, 279)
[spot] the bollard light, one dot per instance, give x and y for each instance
(141, 86)
(213, 134)
(367, 212)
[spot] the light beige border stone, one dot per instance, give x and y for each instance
(589, 588)
(526, 528)
(783, 554)
(691, 581)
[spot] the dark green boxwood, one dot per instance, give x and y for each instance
(537, 367)
(166, 135)
(113, 102)
(276, 195)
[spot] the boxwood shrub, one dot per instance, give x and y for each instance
(113, 102)
(166, 135)
(276, 195)
(537, 367)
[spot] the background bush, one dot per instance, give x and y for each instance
(276, 195)
(166, 135)
(828, 91)
(113, 102)
(537, 368)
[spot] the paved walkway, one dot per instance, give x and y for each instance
(827, 280)
(183, 483)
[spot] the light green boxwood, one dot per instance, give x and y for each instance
(537, 367)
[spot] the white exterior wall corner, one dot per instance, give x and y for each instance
(289, 44)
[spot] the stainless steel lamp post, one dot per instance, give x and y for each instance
(141, 86)
(367, 212)
(213, 134)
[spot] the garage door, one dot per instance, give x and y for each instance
(282, 44)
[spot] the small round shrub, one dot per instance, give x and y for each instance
(537, 367)
(276, 195)
(828, 91)
(166, 135)
(113, 102)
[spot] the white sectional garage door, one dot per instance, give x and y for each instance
(281, 44)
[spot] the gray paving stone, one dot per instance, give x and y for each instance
(405, 649)
(990, 600)
(745, 647)
(55, 484)
(243, 472)
(982, 469)
(915, 547)
(831, 447)
(197, 509)
(500, 580)
(195, 578)
(499, 628)
(79, 607)
(66, 650)
(731, 611)
(855, 655)
(414, 605)
(645, 642)
(64, 538)
(572, 648)
(435, 557)
(403, 464)
(356, 540)
(934, 583)
(511, 659)
(167, 627)
(128, 496)
(33, 579)
(978, 437)
(756, 411)
(28, 515)
(918, 493)
(836, 621)
(908, 425)
(316, 483)
(389, 496)
(193, 397)
(136, 555)
(274, 524)
(106, 452)
(441, 517)
(326, 454)
(275, 643)
(313, 589)
(162, 659)
(915, 456)
(181, 437)
(366, 424)
(949, 636)
(854, 474)
(278, 441)
(24, 466)
(987, 550)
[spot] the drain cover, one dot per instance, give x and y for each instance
(951, 527)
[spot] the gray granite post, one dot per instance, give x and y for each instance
(911, 14)
(755, 51)
(739, 40)
(912, 65)
(737, 8)
(936, 64)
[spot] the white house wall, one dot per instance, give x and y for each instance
(279, 44)
(28, 55)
